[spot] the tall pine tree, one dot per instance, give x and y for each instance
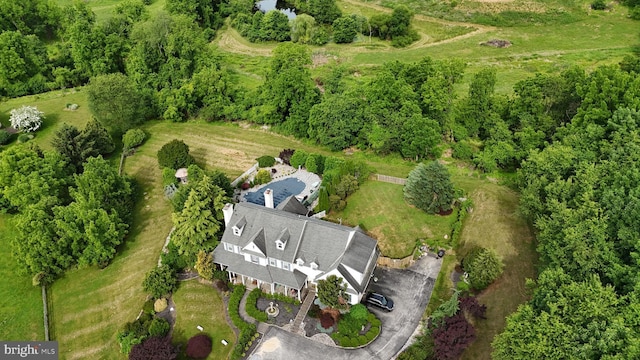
(429, 188)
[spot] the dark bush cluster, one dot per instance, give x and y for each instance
(285, 156)
(154, 348)
(326, 320)
(471, 305)
(199, 346)
(453, 337)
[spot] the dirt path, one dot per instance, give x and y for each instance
(230, 40)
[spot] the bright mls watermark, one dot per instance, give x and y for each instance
(40, 350)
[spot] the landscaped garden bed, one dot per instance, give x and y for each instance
(258, 302)
(356, 328)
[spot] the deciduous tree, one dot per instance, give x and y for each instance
(115, 102)
(26, 118)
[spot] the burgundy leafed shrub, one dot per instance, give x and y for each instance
(326, 320)
(199, 346)
(154, 348)
(451, 338)
(285, 156)
(246, 186)
(471, 305)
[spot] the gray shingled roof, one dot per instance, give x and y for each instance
(236, 263)
(292, 205)
(359, 251)
(313, 240)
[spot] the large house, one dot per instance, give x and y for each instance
(282, 250)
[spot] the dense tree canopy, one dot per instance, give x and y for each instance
(115, 102)
(288, 93)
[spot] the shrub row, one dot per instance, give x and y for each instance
(283, 298)
(457, 226)
(247, 331)
(252, 308)
(360, 340)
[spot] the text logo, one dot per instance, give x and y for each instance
(40, 350)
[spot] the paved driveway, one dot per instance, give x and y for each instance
(410, 290)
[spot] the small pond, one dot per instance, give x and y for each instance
(281, 190)
(285, 8)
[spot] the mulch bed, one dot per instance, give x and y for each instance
(287, 313)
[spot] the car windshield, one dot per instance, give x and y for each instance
(382, 299)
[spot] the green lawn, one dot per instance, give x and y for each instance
(53, 104)
(381, 210)
(104, 8)
(495, 223)
(201, 305)
(89, 306)
(20, 302)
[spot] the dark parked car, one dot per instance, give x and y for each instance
(380, 301)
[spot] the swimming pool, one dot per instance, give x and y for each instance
(281, 190)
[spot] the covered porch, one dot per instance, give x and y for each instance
(269, 287)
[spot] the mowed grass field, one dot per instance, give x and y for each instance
(21, 316)
(201, 305)
(495, 223)
(381, 210)
(89, 306)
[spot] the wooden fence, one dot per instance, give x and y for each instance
(389, 179)
(396, 263)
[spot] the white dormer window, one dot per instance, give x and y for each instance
(300, 262)
(228, 247)
(272, 261)
(281, 240)
(314, 265)
(285, 265)
(239, 226)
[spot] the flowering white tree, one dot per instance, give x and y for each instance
(26, 118)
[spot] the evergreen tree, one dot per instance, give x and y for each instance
(429, 188)
(198, 224)
(332, 292)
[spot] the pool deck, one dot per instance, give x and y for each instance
(308, 178)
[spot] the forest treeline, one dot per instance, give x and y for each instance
(573, 138)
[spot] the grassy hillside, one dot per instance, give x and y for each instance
(20, 302)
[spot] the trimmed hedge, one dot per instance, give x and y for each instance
(252, 308)
(247, 331)
(457, 226)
